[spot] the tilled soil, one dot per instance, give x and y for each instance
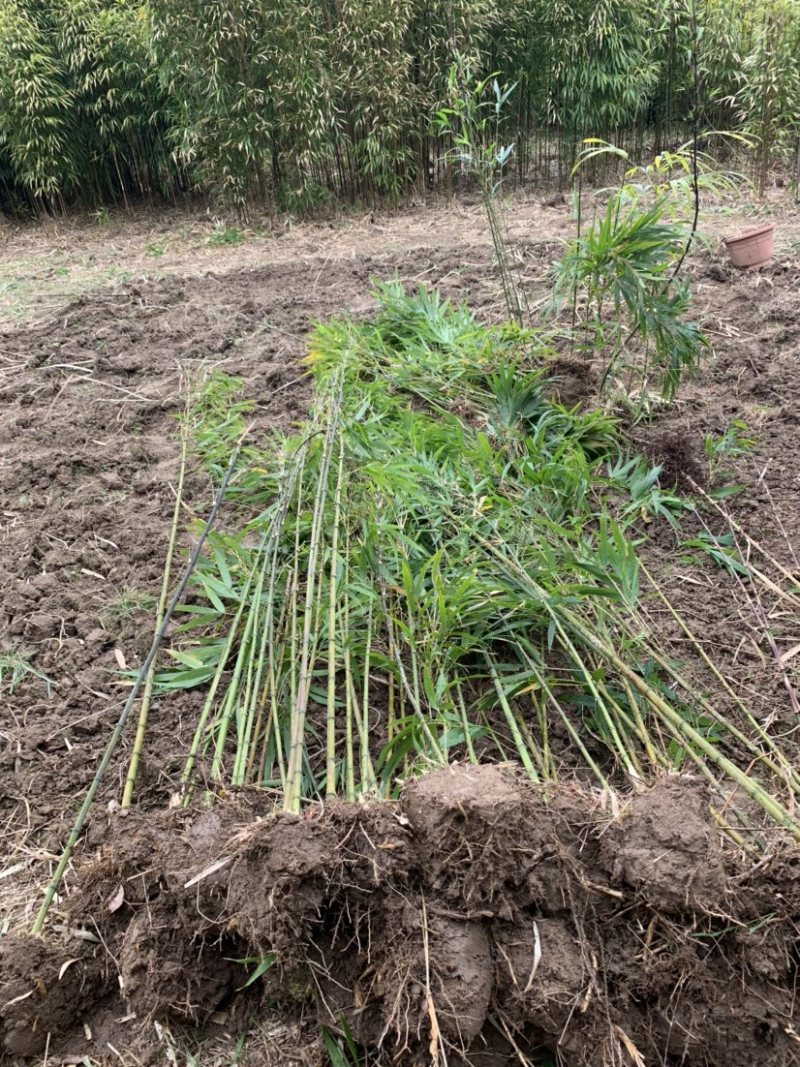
(89, 457)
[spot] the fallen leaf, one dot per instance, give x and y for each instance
(116, 901)
(630, 1048)
(65, 967)
(786, 656)
(16, 1000)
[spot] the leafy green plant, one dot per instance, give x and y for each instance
(721, 548)
(604, 66)
(647, 500)
(130, 603)
(262, 965)
(217, 420)
(735, 441)
(82, 115)
(302, 199)
(706, 727)
(226, 235)
(473, 124)
(768, 92)
(341, 1049)
(626, 302)
(519, 399)
(15, 667)
(669, 176)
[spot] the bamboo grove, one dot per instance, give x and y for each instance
(287, 104)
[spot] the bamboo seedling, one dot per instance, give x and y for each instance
(473, 123)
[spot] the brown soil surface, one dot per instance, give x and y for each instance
(88, 395)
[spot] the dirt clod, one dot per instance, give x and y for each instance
(462, 982)
(43, 991)
(667, 848)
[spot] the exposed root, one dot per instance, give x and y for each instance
(478, 921)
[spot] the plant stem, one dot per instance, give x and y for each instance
(297, 737)
(66, 855)
(144, 712)
(773, 807)
(368, 782)
(330, 776)
(513, 725)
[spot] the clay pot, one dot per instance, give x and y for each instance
(753, 248)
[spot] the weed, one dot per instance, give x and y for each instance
(156, 249)
(736, 441)
(178, 1055)
(226, 235)
(341, 1048)
(130, 603)
(262, 965)
(15, 667)
(721, 548)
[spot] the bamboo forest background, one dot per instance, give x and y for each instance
(285, 104)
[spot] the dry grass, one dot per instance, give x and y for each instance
(45, 265)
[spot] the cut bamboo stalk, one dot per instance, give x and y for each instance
(72, 840)
(330, 758)
(147, 696)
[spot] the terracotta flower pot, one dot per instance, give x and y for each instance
(753, 248)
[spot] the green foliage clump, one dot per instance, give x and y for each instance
(439, 563)
(16, 667)
(620, 278)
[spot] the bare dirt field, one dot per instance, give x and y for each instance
(100, 326)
